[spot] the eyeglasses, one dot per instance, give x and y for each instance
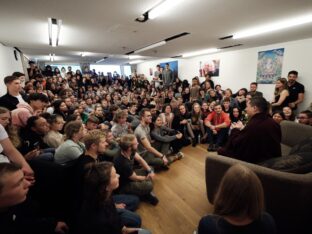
(302, 117)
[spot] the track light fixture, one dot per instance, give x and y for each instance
(54, 31)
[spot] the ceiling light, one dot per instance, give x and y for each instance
(54, 31)
(200, 52)
(83, 54)
(51, 57)
(101, 60)
(134, 57)
(161, 43)
(274, 27)
(162, 7)
(136, 61)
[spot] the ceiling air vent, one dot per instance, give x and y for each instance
(176, 36)
(224, 38)
(230, 46)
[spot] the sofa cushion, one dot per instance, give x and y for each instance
(303, 146)
(300, 163)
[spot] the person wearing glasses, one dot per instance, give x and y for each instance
(305, 117)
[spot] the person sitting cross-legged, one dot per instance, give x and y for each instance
(218, 123)
(95, 144)
(151, 155)
(166, 138)
(139, 181)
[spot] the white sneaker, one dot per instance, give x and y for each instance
(180, 155)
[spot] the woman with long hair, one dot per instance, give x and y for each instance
(54, 138)
(238, 205)
(98, 214)
(197, 122)
(281, 95)
(289, 114)
(60, 108)
(72, 148)
(278, 116)
(167, 115)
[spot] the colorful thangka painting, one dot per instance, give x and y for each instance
(269, 67)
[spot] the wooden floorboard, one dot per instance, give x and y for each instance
(182, 195)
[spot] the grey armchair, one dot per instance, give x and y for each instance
(288, 196)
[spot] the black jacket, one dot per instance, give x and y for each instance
(10, 101)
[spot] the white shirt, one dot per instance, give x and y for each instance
(3, 136)
(20, 99)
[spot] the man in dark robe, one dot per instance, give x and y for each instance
(259, 140)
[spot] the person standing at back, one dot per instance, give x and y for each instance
(167, 75)
(238, 206)
(296, 90)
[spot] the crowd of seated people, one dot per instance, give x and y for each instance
(80, 119)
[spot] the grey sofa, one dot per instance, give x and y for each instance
(288, 196)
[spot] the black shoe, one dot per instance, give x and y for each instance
(215, 148)
(210, 147)
(194, 143)
(152, 199)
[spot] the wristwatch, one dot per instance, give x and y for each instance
(150, 171)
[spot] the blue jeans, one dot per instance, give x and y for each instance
(46, 154)
(131, 201)
(219, 138)
(127, 216)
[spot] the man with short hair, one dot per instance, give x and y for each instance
(13, 96)
(253, 90)
(296, 90)
(259, 140)
(33, 70)
(305, 117)
(92, 122)
(21, 76)
(218, 123)
(15, 218)
(139, 181)
(35, 106)
(95, 143)
(32, 135)
(158, 77)
(151, 155)
(167, 75)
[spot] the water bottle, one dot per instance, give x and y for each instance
(198, 138)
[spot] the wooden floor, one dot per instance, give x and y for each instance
(182, 196)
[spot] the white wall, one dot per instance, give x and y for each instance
(239, 68)
(8, 65)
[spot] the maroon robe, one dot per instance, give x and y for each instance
(260, 140)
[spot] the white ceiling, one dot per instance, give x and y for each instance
(108, 27)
